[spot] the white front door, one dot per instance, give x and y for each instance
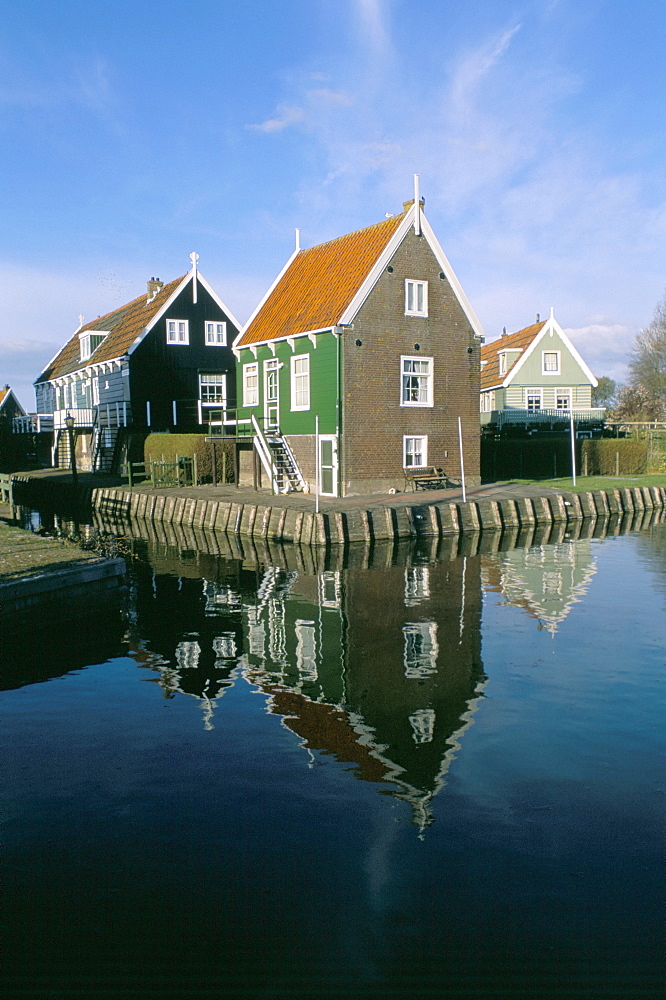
(328, 465)
(271, 394)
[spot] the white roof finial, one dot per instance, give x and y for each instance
(417, 206)
(552, 312)
(194, 257)
(298, 239)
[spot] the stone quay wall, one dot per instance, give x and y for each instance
(375, 522)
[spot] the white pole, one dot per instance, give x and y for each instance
(316, 463)
(573, 450)
(462, 461)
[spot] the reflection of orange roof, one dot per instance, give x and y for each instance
(490, 373)
(319, 284)
(123, 326)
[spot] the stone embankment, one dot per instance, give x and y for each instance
(294, 519)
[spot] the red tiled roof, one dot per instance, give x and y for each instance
(319, 284)
(4, 392)
(490, 373)
(123, 326)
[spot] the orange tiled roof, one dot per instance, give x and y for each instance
(4, 392)
(319, 284)
(123, 326)
(490, 373)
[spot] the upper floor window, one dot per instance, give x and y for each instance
(416, 388)
(216, 334)
(89, 342)
(300, 382)
(178, 331)
(550, 362)
(416, 298)
(251, 384)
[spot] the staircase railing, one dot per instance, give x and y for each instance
(265, 454)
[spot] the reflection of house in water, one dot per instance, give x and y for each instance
(545, 580)
(380, 667)
(188, 629)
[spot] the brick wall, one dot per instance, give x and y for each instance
(374, 421)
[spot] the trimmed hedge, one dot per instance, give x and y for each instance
(607, 456)
(172, 446)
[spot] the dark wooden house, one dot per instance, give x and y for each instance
(159, 363)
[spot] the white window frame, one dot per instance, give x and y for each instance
(558, 361)
(536, 391)
(428, 377)
(420, 649)
(300, 383)
(251, 393)
(569, 394)
(423, 438)
(215, 334)
(416, 297)
(178, 332)
(213, 378)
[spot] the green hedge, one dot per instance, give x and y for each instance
(610, 456)
(169, 447)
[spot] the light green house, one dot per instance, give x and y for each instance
(536, 377)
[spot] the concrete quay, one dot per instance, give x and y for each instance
(436, 513)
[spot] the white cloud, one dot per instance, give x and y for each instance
(285, 117)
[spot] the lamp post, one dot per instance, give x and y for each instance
(69, 424)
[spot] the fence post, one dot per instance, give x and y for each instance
(617, 463)
(130, 477)
(195, 470)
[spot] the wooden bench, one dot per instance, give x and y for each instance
(428, 477)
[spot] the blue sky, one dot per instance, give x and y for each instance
(133, 133)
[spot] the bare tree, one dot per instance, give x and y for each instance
(605, 393)
(647, 364)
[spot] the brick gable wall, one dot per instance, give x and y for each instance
(374, 422)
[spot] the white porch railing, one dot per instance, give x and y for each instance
(33, 423)
(501, 418)
(104, 415)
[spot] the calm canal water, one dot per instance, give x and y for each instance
(404, 775)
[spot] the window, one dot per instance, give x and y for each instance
(178, 331)
(216, 334)
(416, 381)
(423, 725)
(414, 451)
(563, 399)
(306, 650)
(550, 362)
(300, 382)
(89, 342)
(416, 298)
(502, 364)
(420, 649)
(212, 390)
(251, 384)
(533, 399)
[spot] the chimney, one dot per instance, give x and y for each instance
(154, 286)
(504, 331)
(538, 319)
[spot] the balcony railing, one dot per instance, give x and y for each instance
(502, 418)
(33, 423)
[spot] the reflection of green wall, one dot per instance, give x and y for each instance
(360, 663)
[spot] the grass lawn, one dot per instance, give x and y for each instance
(585, 483)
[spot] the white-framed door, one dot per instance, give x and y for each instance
(271, 394)
(328, 465)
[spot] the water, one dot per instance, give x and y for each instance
(429, 776)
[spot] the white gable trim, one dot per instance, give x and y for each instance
(266, 297)
(550, 326)
(158, 315)
(385, 258)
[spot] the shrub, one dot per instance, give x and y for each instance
(611, 456)
(169, 447)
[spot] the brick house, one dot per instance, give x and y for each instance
(359, 361)
(158, 363)
(536, 378)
